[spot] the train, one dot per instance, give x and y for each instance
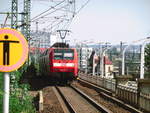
(60, 62)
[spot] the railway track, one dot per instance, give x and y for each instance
(108, 96)
(78, 102)
(51, 103)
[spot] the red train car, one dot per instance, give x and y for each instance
(60, 62)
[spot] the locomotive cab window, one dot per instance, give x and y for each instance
(58, 56)
(66, 54)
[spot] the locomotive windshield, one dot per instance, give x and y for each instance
(65, 54)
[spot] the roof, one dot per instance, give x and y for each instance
(33, 49)
(107, 61)
(61, 45)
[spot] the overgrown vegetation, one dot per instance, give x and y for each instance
(1, 91)
(20, 100)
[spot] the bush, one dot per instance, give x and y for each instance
(21, 104)
(1, 91)
(20, 101)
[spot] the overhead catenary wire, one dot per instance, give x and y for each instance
(55, 22)
(47, 10)
(8, 10)
(54, 27)
(41, 14)
(77, 12)
(68, 24)
(83, 6)
(51, 12)
(6, 20)
(60, 23)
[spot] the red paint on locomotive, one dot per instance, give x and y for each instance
(55, 61)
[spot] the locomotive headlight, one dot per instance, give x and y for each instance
(70, 64)
(57, 64)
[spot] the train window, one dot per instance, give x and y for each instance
(58, 56)
(67, 54)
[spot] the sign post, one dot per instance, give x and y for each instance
(13, 54)
(6, 93)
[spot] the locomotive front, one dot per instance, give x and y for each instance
(64, 60)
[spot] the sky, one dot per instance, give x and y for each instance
(113, 21)
(107, 21)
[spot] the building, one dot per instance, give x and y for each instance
(108, 68)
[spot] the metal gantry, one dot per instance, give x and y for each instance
(26, 19)
(25, 26)
(14, 14)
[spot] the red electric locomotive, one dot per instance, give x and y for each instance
(60, 62)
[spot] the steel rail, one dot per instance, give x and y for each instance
(106, 94)
(100, 107)
(86, 97)
(69, 106)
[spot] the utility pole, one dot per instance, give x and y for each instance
(102, 63)
(143, 58)
(14, 14)
(100, 56)
(121, 55)
(93, 60)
